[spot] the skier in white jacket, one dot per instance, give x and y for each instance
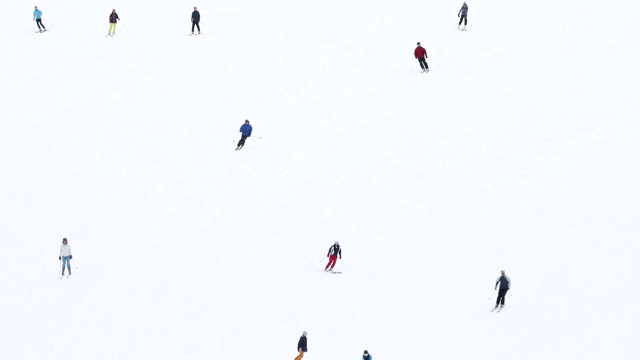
(65, 255)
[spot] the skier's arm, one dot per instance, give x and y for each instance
(340, 253)
(459, 12)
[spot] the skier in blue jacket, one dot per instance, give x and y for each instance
(462, 14)
(245, 129)
(505, 285)
(37, 17)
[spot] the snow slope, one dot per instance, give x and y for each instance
(518, 151)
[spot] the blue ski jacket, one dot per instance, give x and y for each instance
(463, 10)
(37, 14)
(246, 129)
(504, 281)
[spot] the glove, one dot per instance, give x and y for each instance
(59, 257)
(458, 15)
(70, 257)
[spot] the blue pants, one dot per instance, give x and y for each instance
(66, 260)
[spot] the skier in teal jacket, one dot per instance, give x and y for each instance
(37, 17)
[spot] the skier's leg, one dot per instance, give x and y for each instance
(193, 26)
(198, 26)
(460, 22)
(504, 295)
(465, 21)
(334, 258)
(299, 357)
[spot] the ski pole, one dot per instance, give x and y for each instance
(321, 260)
(493, 292)
(74, 264)
(430, 59)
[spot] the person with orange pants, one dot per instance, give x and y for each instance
(302, 346)
(334, 252)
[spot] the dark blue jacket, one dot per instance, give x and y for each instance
(302, 344)
(246, 129)
(505, 282)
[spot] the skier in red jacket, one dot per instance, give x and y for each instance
(421, 54)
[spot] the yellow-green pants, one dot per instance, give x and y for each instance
(112, 28)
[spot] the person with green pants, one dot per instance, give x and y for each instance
(113, 20)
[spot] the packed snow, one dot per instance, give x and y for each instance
(518, 151)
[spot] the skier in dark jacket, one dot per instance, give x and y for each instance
(246, 130)
(113, 20)
(421, 54)
(505, 285)
(334, 252)
(195, 20)
(462, 14)
(367, 356)
(302, 346)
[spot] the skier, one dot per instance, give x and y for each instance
(37, 17)
(505, 285)
(245, 129)
(367, 356)
(195, 20)
(113, 20)
(462, 14)
(421, 54)
(65, 255)
(334, 252)
(302, 346)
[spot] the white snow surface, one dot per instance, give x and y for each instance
(518, 151)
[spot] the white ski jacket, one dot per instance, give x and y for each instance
(65, 250)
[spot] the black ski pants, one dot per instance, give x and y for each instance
(242, 139)
(39, 23)
(501, 295)
(423, 63)
(194, 24)
(465, 20)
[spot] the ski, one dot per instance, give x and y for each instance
(334, 272)
(38, 32)
(239, 148)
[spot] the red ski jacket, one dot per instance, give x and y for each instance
(420, 52)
